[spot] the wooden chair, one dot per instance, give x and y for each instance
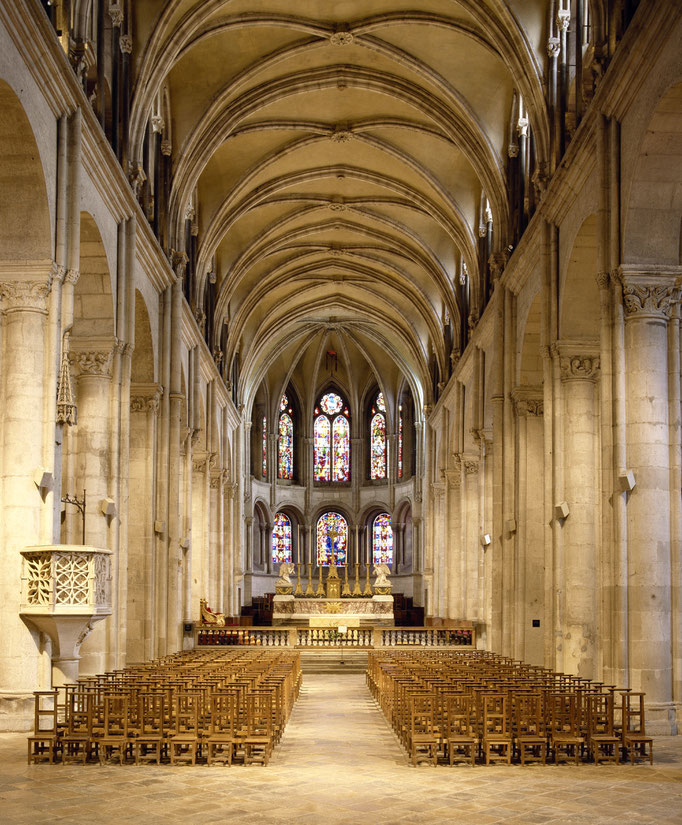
(257, 741)
(634, 741)
(115, 739)
(423, 738)
(150, 740)
(496, 739)
(183, 744)
(602, 742)
(530, 736)
(45, 744)
(221, 736)
(460, 738)
(564, 735)
(78, 741)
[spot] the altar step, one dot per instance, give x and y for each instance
(333, 661)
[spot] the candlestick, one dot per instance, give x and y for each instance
(309, 589)
(356, 589)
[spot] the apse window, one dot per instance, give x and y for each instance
(331, 439)
(332, 539)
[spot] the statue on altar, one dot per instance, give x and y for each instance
(209, 617)
(381, 583)
(283, 586)
(286, 569)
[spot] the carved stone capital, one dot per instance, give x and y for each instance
(22, 296)
(579, 366)
(539, 179)
(563, 19)
(125, 44)
(145, 398)
(93, 363)
(470, 467)
(158, 124)
(553, 47)
(648, 294)
(603, 280)
(513, 150)
(137, 177)
(116, 14)
(528, 401)
(166, 148)
(179, 262)
(497, 263)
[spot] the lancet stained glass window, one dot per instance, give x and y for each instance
(281, 539)
(382, 540)
(332, 537)
(285, 445)
(377, 439)
(265, 448)
(400, 441)
(331, 439)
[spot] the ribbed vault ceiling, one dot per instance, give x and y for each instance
(335, 155)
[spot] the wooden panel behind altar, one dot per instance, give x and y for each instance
(374, 612)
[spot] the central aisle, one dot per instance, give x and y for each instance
(337, 729)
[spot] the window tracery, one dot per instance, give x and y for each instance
(285, 444)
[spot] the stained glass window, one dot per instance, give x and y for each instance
(400, 441)
(332, 536)
(331, 439)
(285, 443)
(281, 539)
(377, 439)
(341, 439)
(382, 540)
(331, 403)
(265, 447)
(322, 448)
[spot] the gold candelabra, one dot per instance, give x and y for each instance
(320, 586)
(309, 588)
(346, 589)
(298, 591)
(368, 589)
(356, 589)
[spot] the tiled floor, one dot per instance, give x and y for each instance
(340, 764)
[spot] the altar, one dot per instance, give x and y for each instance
(333, 603)
(376, 611)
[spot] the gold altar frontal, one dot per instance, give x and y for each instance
(376, 611)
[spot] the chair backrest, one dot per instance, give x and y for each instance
(186, 714)
(495, 719)
(259, 707)
(562, 713)
(633, 713)
(223, 715)
(152, 713)
(116, 714)
(600, 714)
(79, 711)
(459, 706)
(528, 714)
(46, 709)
